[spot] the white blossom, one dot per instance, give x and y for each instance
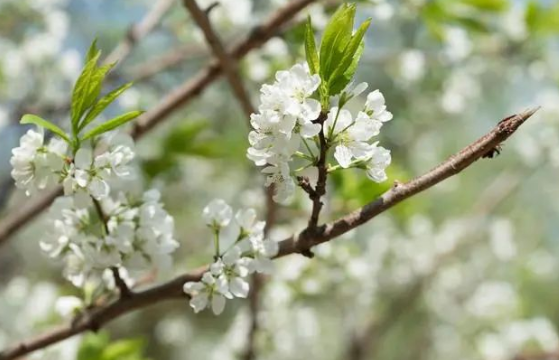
(217, 214)
(67, 306)
(280, 176)
(35, 165)
(351, 136)
(375, 105)
(285, 118)
(140, 236)
(233, 268)
(89, 175)
(377, 163)
(208, 291)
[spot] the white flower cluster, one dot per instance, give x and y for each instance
(248, 252)
(288, 117)
(138, 235)
(352, 136)
(88, 175)
(285, 117)
(37, 165)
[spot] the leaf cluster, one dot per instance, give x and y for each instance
(87, 104)
(340, 50)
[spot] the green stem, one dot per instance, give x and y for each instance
(305, 156)
(331, 132)
(309, 149)
(216, 242)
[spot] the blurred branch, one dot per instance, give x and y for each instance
(229, 65)
(256, 288)
(163, 62)
(94, 318)
(137, 32)
(227, 62)
(362, 345)
(168, 105)
(538, 356)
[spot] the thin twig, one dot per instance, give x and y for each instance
(320, 188)
(119, 282)
(138, 31)
(228, 63)
(168, 60)
(170, 103)
(97, 317)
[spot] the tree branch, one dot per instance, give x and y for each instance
(401, 191)
(136, 32)
(320, 188)
(171, 103)
(227, 62)
(96, 317)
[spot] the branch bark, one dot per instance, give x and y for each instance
(171, 103)
(97, 317)
(227, 62)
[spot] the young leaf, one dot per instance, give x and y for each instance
(310, 49)
(112, 124)
(344, 70)
(82, 88)
(92, 52)
(33, 119)
(94, 89)
(102, 104)
(336, 36)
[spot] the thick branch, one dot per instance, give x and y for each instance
(401, 191)
(228, 63)
(171, 103)
(173, 289)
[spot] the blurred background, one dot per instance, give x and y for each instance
(466, 270)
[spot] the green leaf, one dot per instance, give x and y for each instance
(347, 66)
(33, 119)
(95, 87)
(82, 88)
(112, 124)
(488, 5)
(92, 52)
(92, 345)
(342, 81)
(98, 346)
(124, 349)
(310, 48)
(542, 19)
(336, 36)
(102, 104)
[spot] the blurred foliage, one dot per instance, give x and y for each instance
(98, 346)
(542, 18)
(190, 138)
(474, 15)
